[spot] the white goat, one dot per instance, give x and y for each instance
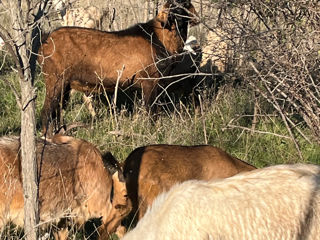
(90, 17)
(280, 202)
(190, 44)
(59, 5)
(215, 51)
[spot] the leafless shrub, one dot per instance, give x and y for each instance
(275, 47)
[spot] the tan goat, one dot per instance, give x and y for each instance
(75, 182)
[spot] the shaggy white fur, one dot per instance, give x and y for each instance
(279, 202)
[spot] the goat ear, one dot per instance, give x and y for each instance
(194, 16)
(163, 18)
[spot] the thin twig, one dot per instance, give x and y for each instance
(278, 108)
(230, 126)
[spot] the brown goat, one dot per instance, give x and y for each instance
(154, 169)
(75, 181)
(88, 60)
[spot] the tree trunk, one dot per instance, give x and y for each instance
(29, 163)
(28, 131)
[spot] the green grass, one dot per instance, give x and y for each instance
(122, 132)
(9, 111)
